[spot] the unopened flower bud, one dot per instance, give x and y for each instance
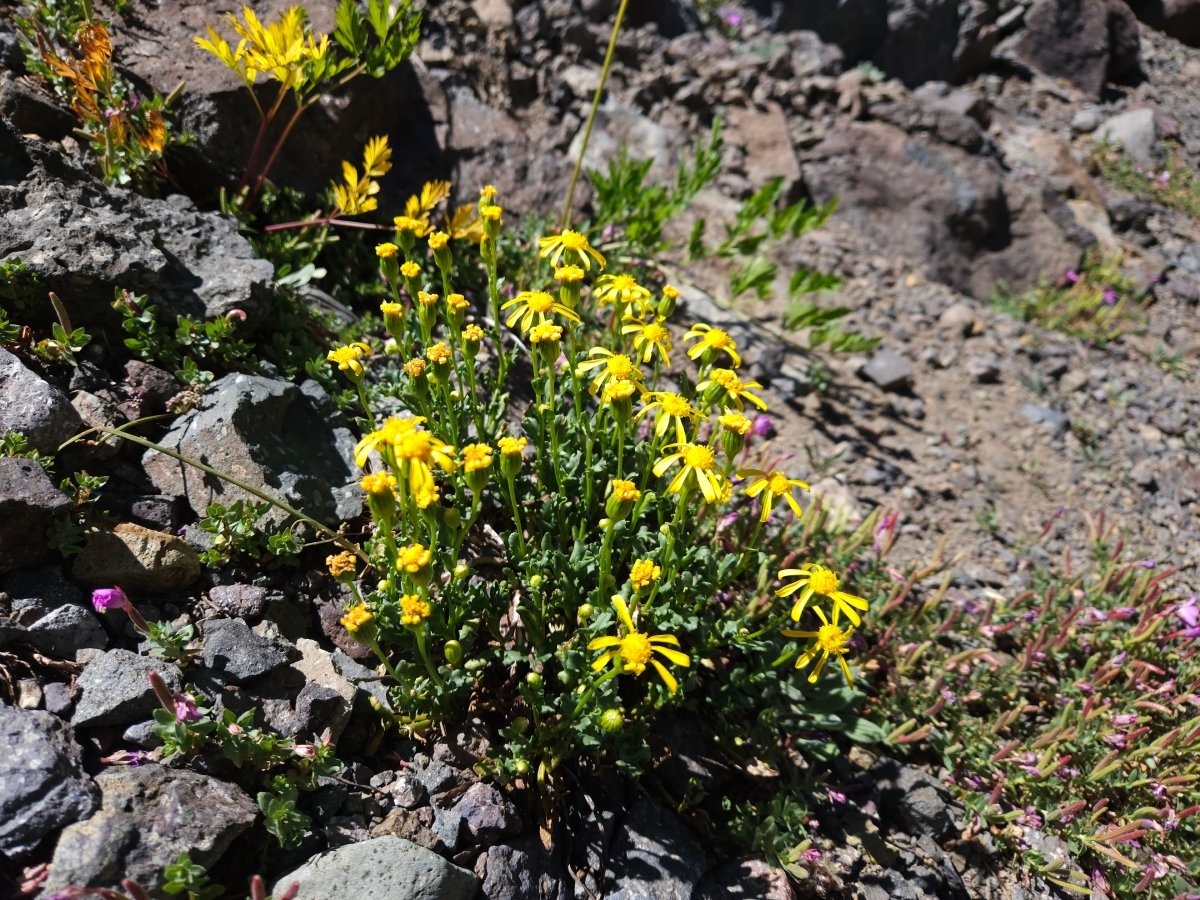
(611, 721)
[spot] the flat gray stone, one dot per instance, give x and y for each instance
(232, 649)
(116, 689)
(42, 783)
(383, 868)
(149, 814)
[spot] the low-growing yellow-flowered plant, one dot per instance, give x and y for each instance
(532, 559)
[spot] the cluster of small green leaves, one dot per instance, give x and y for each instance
(66, 533)
(238, 535)
(188, 348)
(288, 767)
(1176, 185)
(62, 344)
(15, 445)
(1066, 708)
(1097, 303)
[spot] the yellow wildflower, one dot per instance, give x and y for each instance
(773, 484)
(410, 269)
(545, 333)
(347, 358)
(412, 558)
(568, 274)
(427, 299)
(439, 353)
(617, 367)
(356, 617)
(696, 462)
(672, 408)
(488, 191)
(648, 337)
(569, 242)
(828, 640)
(621, 290)
(438, 240)
(385, 437)
(724, 387)
(415, 367)
(340, 564)
(635, 650)
(386, 250)
(512, 446)
(618, 389)
(712, 340)
(816, 579)
(410, 225)
(490, 212)
(456, 303)
(735, 422)
(643, 573)
(535, 303)
(476, 457)
(378, 483)
(413, 610)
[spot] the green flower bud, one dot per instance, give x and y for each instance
(585, 612)
(521, 767)
(453, 653)
(534, 680)
(535, 581)
(611, 721)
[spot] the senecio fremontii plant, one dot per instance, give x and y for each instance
(565, 572)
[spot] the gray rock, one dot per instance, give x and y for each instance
(923, 803)
(242, 601)
(149, 814)
(983, 368)
(448, 827)
(233, 650)
(42, 783)
(1087, 42)
(34, 407)
(66, 630)
(1086, 120)
(954, 212)
(522, 871)
(889, 370)
(29, 503)
(487, 814)
(265, 432)
(382, 868)
(1051, 419)
(1137, 132)
(84, 240)
(438, 776)
(58, 698)
(35, 593)
(116, 689)
(654, 857)
(1143, 473)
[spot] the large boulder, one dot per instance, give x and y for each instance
(85, 240)
(32, 406)
(270, 434)
(937, 205)
(149, 814)
(1087, 42)
(1179, 19)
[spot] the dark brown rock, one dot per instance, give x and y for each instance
(1086, 42)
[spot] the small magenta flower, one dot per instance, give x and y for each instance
(185, 707)
(108, 598)
(1071, 276)
(115, 598)
(1110, 297)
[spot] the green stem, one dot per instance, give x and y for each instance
(516, 511)
(591, 120)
